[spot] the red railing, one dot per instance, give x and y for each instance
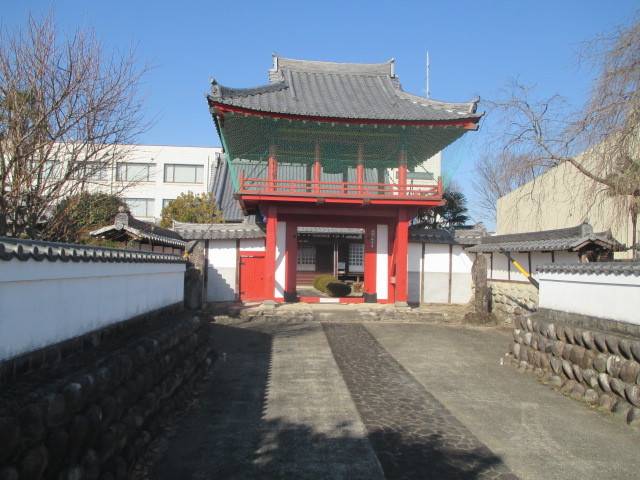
(309, 188)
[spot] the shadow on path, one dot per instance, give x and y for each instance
(225, 435)
(217, 437)
(412, 433)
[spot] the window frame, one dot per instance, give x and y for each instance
(198, 169)
(149, 175)
(149, 206)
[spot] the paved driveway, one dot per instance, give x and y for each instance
(382, 400)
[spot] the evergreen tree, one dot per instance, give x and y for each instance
(191, 208)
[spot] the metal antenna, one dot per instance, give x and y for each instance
(428, 84)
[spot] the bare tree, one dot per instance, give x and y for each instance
(68, 107)
(600, 140)
(498, 174)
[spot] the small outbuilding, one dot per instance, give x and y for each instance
(141, 235)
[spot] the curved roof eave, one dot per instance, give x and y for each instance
(305, 88)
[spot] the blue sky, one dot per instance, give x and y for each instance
(476, 47)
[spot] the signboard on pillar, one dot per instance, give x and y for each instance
(370, 263)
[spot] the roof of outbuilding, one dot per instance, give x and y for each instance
(562, 239)
(339, 90)
(220, 231)
(468, 236)
(140, 229)
(608, 268)
(12, 248)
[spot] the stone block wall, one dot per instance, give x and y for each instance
(93, 415)
(512, 298)
(599, 367)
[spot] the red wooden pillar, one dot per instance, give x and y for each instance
(272, 170)
(317, 168)
(402, 172)
(291, 262)
(270, 253)
(370, 258)
(402, 255)
(360, 169)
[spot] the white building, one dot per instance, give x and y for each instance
(151, 176)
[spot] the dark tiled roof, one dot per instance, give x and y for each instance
(563, 239)
(339, 90)
(607, 268)
(341, 230)
(11, 248)
(224, 189)
(469, 236)
(220, 231)
(140, 229)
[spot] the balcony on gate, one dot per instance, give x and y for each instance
(339, 191)
(353, 175)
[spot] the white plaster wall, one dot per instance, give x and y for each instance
(523, 260)
(436, 275)
(281, 246)
(436, 258)
(614, 297)
(462, 261)
(382, 262)
(44, 303)
(539, 258)
(252, 244)
(567, 257)
(415, 273)
(461, 284)
(221, 271)
(500, 267)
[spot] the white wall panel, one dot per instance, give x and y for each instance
(221, 271)
(281, 245)
(44, 303)
(382, 262)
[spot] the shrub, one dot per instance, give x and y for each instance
(319, 278)
(338, 289)
(323, 282)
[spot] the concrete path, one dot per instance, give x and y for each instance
(383, 400)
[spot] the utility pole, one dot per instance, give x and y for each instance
(427, 78)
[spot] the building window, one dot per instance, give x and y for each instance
(166, 201)
(51, 169)
(175, 173)
(356, 257)
(135, 172)
(141, 207)
(307, 259)
(99, 172)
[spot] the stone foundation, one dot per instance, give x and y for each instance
(512, 298)
(94, 414)
(600, 368)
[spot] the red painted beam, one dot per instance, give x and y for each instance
(270, 253)
(469, 123)
(402, 172)
(401, 255)
(291, 262)
(414, 201)
(272, 170)
(318, 211)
